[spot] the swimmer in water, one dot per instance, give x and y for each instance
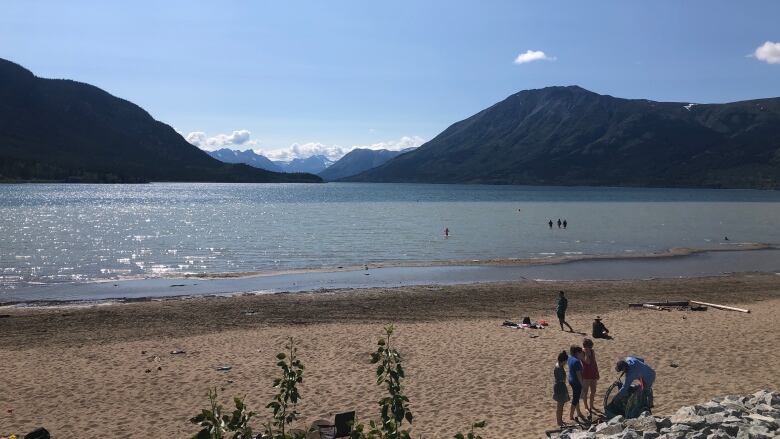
(446, 232)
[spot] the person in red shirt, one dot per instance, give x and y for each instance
(590, 375)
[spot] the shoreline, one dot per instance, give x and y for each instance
(674, 263)
(97, 385)
(674, 252)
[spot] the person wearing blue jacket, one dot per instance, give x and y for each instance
(635, 369)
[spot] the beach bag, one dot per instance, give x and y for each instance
(38, 433)
(526, 320)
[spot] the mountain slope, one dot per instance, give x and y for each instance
(63, 130)
(357, 161)
(314, 164)
(571, 136)
(247, 157)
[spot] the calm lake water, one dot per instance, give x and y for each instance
(66, 233)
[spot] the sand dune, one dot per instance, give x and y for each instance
(82, 372)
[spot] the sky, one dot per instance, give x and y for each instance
(295, 78)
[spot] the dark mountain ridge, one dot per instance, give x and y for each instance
(357, 161)
(63, 130)
(571, 136)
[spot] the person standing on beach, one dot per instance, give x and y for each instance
(446, 232)
(560, 310)
(559, 223)
(565, 223)
(550, 223)
(560, 392)
(575, 381)
(590, 376)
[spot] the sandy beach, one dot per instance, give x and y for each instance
(81, 371)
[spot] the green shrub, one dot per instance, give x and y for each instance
(215, 425)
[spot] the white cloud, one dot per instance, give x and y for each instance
(533, 55)
(335, 152)
(236, 138)
(769, 52)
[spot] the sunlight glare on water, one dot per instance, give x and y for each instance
(64, 233)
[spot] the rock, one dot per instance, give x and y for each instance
(663, 423)
(714, 420)
(708, 408)
(753, 432)
(616, 420)
(650, 435)
(680, 428)
(609, 429)
(629, 434)
(730, 428)
(761, 419)
(686, 411)
(694, 421)
(719, 434)
(582, 435)
(642, 424)
(767, 410)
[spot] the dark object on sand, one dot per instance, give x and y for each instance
(38, 433)
(343, 423)
(224, 368)
(178, 352)
(674, 304)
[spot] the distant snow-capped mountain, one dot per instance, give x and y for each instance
(314, 164)
(248, 157)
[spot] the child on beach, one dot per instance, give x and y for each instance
(560, 392)
(575, 381)
(590, 375)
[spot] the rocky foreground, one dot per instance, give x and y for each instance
(755, 416)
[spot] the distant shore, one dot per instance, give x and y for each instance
(94, 380)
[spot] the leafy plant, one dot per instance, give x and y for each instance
(394, 408)
(216, 425)
(471, 434)
(285, 401)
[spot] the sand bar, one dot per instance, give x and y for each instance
(673, 264)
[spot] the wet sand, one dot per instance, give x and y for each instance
(80, 371)
(675, 263)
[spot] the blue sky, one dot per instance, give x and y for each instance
(325, 76)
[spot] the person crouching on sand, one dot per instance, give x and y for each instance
(600, 330)
(560, 392)
(575, 381)
(590, 376)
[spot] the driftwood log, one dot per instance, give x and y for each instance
(724, 307)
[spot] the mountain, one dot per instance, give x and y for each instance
(247, 157)
(571, 136)
(314, 164)
(357, 161)
(61, 130)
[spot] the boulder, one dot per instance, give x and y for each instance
(642, 424)
(693, 421)
(608, 430)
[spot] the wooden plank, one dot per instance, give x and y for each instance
(724, 307)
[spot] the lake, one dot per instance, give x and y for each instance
(53, 233)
